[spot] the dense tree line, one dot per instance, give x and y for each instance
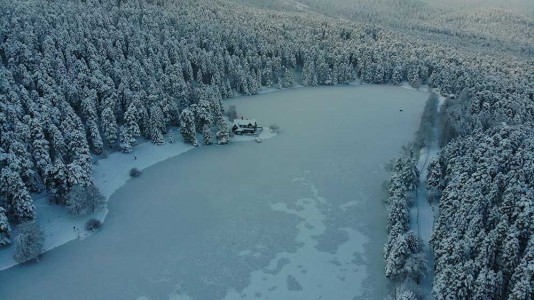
(405, 262)
(484, 237)
(425, 134)
(490, 25)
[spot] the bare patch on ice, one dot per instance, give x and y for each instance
(349, 204)
(342, 271)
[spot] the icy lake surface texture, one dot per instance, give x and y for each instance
(299, 216)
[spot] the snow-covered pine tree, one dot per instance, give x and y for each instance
(223, 134)
(156, 125)
(203, 113)
(309, 74)
(405, 259)
(19, 202)
(434, 178)
(56, 180)
(379, 74)
(125, 139)
(397, 258)
(79, 169)
(19, 160)
(5, 229)
(368, 72)
(89, 113)
(22, 131)
(131, 118)
(206, 134)
(109, 126)
(40, 149)
(267, 74)
(171, 114)
(396, 78)
(57, 142)
(287, 79)
(510, 254)
(521, 282)
(488, 284)
(223, 137)
(187, 127)
(94, 136)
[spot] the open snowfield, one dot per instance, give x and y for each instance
(299, 216)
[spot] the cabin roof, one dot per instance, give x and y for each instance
(244, 122)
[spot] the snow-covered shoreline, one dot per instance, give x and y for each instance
(109, 175)
(233, 230)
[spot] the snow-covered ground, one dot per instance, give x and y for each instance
(296, 217)
(109, 174)
(422, 214)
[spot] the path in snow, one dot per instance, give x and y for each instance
(422, 214)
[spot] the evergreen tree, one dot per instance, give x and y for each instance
(18, 201)
(58, 147)
(287, 79)
(109, 126)
(40, 150)
(94, 136)
(125, 139)
(132, 122)
(19, 160)
(187, 127)
(57, 181)
(156, 125)
(5, 229)
(309, 74)
(206, 134)
(79, 169)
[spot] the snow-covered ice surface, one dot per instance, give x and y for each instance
(293, 271)
(300, 216)
(109, 175)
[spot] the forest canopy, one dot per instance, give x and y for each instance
(81, 78)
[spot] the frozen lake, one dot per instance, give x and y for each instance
(299, 216)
